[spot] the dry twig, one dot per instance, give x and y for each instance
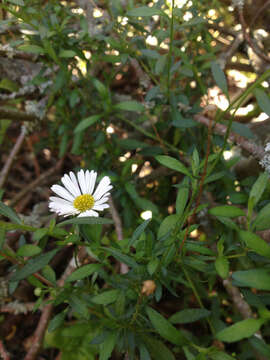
(43, 177)
(47, 312)
(12, 155)
(3, 353)
(255, 150)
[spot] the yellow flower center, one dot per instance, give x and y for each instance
(84, 202)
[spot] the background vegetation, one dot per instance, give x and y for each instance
(170, 99)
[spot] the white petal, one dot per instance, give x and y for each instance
(100, 207)
(61, 191)
(61, 204)
(71, 187)
(88, 213)
(103, 187)
(81, 179)
(101, 201)
(75, 182)
(91, 180)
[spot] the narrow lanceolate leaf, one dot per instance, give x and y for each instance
(255, 243)
(222, 266)
(90, 220)
(227, 211)
(129, 106)
(263, 100)
(33, 266)
(9, 213)
(167, 225)
(165, 328)
(138, 231)
(173, 164)
(34, 49)
(157, 349)
(121, 257)
(83, 272)
(145, 11)
(107, 346)
(29, 250)
(106, 298)
(254, 278)
(241, 330)
(86, 123)
(219, 77)
(182, 197)
(262, 220)
(189, 315)
(258, 188)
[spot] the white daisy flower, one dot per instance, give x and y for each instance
(78, 197)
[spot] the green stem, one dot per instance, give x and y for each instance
(170, 53)
(197, 296)
(147, 133)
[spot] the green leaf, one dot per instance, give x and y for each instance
(108, 345)
(241, 330)
(260, 346)
(263, 100)
(222, 266)
(145, 11)
(262, 220)
(39, 234)
(85, 123)
(189, 315)
(90, 220)
(57, 321)
(152, 266)
(82, 272)
(67, 53)
(165, 328)
(167, 225)
(182, 197)
(29, 250)
(157, 349)
(255, 242)
(9, 85)
(227, 211)
(101, 88)
(17, 2)
(173, 164)
(131, 144)
(219, 77)
(9, 213)
(220, 355)
(49, 273)
(129, 106)
(255, 278)
(121, 257)
(258, 188)
(33, 266)
(138, 231)
(160, 64)
(34, 49)
(105, 298)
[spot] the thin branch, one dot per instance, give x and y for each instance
(255, 150)
(46, 314)
(3, 353)
(6, 113)
(43, 177)
(253, 46)
(12, 155)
